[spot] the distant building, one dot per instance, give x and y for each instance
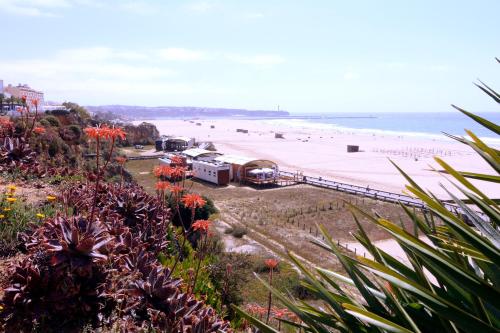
(24, 90)
(1, 86)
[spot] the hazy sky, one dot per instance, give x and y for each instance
(306, 56)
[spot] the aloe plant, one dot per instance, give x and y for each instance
(451, 284)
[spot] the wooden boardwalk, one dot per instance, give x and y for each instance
(370, 192)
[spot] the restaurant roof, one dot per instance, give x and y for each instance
(194, 152)
(233, 159)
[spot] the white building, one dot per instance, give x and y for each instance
(23, 90)
(211, 171)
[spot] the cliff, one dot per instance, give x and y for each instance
(142, 134)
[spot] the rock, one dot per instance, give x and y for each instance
(142, 134)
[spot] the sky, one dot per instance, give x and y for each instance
(305, 56)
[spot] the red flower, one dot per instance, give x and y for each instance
(116, 132)
(177, 172)
(92, 132)
(121, 160)
(271, 263)
(5, 123)
(162, 186)
(23, 98)
(162, 170)
(193, 201)
(176, 189)
(105, 132)
(39, 130)
(201, 225)
(177, 160)
(280, 313)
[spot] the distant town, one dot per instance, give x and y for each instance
(11, 95)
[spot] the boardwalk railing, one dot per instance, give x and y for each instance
(132, 158)
(145, 157)
(369, 192)
(357, 190)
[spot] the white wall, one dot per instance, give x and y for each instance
(207, 171)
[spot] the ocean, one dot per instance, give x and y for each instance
(429, 125)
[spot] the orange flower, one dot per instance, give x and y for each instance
(271, 263)
(201, 225)
(92, 132)
(177, 160)
(5, 123)
(176, 189)
(177, 172)
(23, 98)
(20, 109)
(39, 130)
(121, 160)
(162, 170)
(193, 201)
(280, 313)
(35, 102)
(162, 186)
(116, 132)
(105, 132)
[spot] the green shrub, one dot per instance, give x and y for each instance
(239, 231)
(53, 121)
(203, 213)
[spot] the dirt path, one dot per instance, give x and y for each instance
(270, 245)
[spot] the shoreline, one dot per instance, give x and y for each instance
(322, 152)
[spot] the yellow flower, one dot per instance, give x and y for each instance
(2, 216)
(11, 200)
(39, 215)
(51, 198)
(7, 209)
(11, 188)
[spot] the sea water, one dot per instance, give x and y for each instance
(423, 124)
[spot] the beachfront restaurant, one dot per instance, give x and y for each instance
(250, 170)
(200, 154)
(188, 156)
(178, 143)
(211, 171)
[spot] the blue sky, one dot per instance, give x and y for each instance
(306, 56)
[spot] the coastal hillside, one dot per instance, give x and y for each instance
(145, 112)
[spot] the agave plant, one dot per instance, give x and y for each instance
(78, 240)
(451, 284)
(157, 299)
(62, 276)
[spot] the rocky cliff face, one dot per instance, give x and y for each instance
(142, 134)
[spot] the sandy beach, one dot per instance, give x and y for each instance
(323, 152)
